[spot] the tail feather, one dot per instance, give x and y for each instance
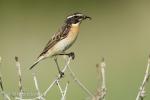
(36, 62)
(33, 65)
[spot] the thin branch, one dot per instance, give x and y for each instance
(141, 92)
(5, 96)
(56, 79)
(64, 69)
(79, 83)
(20, 79)
(37, 87)
(1, 83)
(101, 91)
(17, 98)
(36, 84)
(61, 91)
(65, 92)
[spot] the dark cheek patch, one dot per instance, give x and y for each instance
(68, 21)
(76, 21)
(73, 20)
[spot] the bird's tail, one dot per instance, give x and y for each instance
(36, 62)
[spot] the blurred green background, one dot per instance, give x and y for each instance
(119, 31)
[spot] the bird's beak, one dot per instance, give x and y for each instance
(87, 17)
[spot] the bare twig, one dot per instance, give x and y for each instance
(5, 96)
(65, 92)
(101, 91)
(20, 79)
(59, 75)
(17, 98)
(1, 83)
(103, 88)
(79, 83)
(61, 91)
(37, 87)
(55, 81)
(141, 92)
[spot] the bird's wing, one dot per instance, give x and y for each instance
(61, 34)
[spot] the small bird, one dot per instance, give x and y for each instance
(63, 39)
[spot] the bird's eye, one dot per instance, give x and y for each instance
(78, 17)
(75, 16)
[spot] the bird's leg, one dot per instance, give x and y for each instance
(71, 54)
(60, 72)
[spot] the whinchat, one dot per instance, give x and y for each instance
(63, 39)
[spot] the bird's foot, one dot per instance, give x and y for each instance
(72, 55)
(61, 74)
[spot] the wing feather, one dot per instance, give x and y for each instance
(61, 34)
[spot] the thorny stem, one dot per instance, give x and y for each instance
(141, 92)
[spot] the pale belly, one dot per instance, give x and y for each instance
(64, 44)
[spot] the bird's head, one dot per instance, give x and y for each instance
(76, 18)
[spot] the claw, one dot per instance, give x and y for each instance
(61, 74)
(72, 55)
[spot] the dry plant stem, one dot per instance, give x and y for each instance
(141, 92)
(56, 79)
(103, 87)
(37, 87)
(20, 79)
(5, 96)
(98, 93)
(17, 98)
(1, 83)
(61, 91)
(65, 92)
(79, 83)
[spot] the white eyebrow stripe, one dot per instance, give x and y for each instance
(70, 16)
(79, 14)
(74, 15)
